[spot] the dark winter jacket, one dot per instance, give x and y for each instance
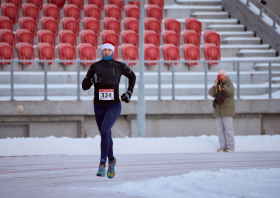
(228, 107)
(111, 75)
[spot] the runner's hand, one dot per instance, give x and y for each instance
(97, 77)
(126, 96)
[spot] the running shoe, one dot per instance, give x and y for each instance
(101, 170)
(111, 169)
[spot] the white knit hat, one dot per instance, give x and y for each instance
(222, 72)
(108, 44)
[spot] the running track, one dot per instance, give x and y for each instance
(74, 176)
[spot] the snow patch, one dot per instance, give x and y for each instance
(219, 1)
(257, 51)
(241, 38)
(223, 183)
(192, 7)
(235, 33)
(225, 26)
(210, 13)
(91, 146)
(182, 20)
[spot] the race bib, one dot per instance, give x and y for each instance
(106, 94)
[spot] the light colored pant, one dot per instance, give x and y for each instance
(225, 132)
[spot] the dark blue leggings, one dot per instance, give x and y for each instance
(106, 117)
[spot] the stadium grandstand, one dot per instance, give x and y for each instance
(67, 32)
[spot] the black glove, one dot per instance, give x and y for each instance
(97, 77)
(126, 96)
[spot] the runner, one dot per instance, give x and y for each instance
(105, 75)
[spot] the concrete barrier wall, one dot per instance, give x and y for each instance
(163, 118)
(253, 22)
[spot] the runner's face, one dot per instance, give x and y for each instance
(107, 52)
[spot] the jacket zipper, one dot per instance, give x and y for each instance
(113, 71)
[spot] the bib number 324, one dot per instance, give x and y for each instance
(106, 94)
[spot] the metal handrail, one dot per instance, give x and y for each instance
(236, 62)
(261, 6)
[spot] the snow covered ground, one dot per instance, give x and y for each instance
(186, 167)
(223, 183)
(91, 146)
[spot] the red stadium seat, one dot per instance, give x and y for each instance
(210, 36)
(159, 3)
(49, 23)
(151, 37)
(171, 52)
(113, 11)
(38, 3)
(172, 24)
(93, 11)
(51, 10)
(116, 53)
(46, 52)
(130, 52)
(7, 36)
(154, 11)
(69, 23)
(98, 3)
(151, 53)
(71, 10)
(111, 35)
(136, 3)
(46, 36)
(191, 52)
(111, 23)
(78, 3)
(87, 52)
(30, 10)
(6, 23)
(118, 3)
(171, 37)
(153, 24)
(29, 24)
(90, 23)
(66, 52)
(131, 24)
(67, 36)
(212, 52)
(25, 52)
(17, 3)
(58, 3)
(6, 53)
(129, 36)
(191, 37)
(132, 11)
(89, 36)
(24, 36)
(11, 11)
(193, 24)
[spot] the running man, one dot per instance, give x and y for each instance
(105, 75)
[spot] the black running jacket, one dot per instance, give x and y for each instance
(106, 92)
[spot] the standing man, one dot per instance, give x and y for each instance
(224, 113)
(105, 75)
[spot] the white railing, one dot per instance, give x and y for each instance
(261, 7)
(236, 62)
